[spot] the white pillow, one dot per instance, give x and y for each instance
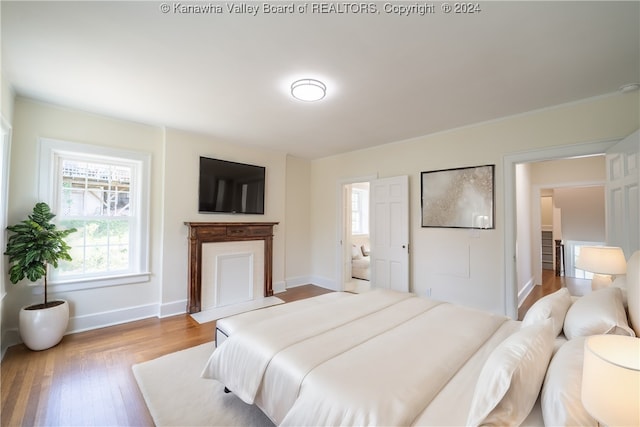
(510, 380)
(365, 250)
(599, 312)
(356, 253)
(562, 389)
(553, 306)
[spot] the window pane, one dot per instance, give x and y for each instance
(95, 189)
(97, 246)
(96, 259)
(118, 257)
(119, 232)
(74, 267)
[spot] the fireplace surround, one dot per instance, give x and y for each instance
(210, 232)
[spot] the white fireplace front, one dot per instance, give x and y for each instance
(232, 272)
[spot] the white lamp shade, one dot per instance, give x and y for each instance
(611, 379)
(602, 260)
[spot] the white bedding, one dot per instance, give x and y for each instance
(382, 357)
(389, 358)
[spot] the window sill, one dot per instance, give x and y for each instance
(98, 282)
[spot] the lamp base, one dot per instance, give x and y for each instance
(600, 281)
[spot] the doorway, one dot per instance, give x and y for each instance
(513, 252)
(387, 251)
(356, 237)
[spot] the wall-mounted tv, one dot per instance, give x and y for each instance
(230, 187)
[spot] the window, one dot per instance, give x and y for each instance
(573, 249)
(103, 193)
(359, 211)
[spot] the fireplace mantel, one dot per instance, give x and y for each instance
(212, 232)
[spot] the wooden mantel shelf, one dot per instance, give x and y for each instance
(211, 232)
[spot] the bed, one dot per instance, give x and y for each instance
(391, 358)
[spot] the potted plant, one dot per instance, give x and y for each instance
(35, 244)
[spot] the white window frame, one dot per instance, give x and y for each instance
(571, 257)
(50, 149)
(5, 154)
(363, 211)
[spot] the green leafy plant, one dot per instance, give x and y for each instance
(35, 244)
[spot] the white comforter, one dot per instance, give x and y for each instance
(376, 358)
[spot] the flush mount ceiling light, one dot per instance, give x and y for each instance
(631, 87)
(308, 90)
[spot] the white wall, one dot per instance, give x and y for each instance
(583, 213)
(592, 120)
(298, 219)
(301, 195)
(524, 238)
(546, 210)
(183, 150)
(7, 100)
(568, 172)
(6, 119)
(174, 181)
(32, 120)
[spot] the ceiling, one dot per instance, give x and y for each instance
(389, 77)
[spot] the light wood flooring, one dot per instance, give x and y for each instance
(87, 380)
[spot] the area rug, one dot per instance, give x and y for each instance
(229, 310)
(176, 395)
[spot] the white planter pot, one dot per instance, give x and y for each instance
(44, 328)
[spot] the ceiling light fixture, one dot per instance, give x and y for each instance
(631, 87)
(308, 90)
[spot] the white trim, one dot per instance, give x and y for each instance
(509, 164)
(525, 291)
(341, 248)
(10, 337)
(280, 286)
(293, 282)
(326, 283)
(111, 318)
(5, 158)
(99, 282)
(173, 308)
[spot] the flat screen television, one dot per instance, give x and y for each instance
(230, 187)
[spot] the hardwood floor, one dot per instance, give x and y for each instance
(87, 380)
(550, 284)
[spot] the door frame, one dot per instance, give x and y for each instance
(510, 211)
(341, 217)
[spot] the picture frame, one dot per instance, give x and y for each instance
(459, 198)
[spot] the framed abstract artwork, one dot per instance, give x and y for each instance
(459, 198)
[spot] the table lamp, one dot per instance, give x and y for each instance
(602, 261)
(611, 379)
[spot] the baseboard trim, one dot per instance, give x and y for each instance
(324, 282)
(280, 286)
(525, 291)
(10, 338)
(173, 308)
(110, 318)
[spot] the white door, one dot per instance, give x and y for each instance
(390, 233)
(622, 194)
